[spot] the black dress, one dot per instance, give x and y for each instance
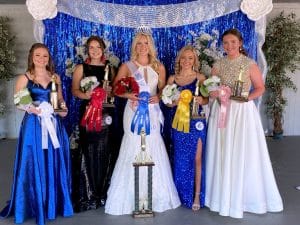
(93, 160)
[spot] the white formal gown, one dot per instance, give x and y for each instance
(120, 198)
(239, 174)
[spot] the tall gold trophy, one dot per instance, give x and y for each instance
(143, 207)
(54, 97)
(195, 105)
(109, 100)
(238, 93)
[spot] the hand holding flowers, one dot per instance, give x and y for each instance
(88, 83)
(170, 93)
(209, 85)
(23, 100)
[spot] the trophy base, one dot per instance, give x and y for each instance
(239, 98)
(108, 105)
(143, 213)
(60, 110)
(198, 117)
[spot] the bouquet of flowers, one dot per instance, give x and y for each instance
(126, 85)
(210, 84)
(88, 83)
(170, 93)
(23, 99)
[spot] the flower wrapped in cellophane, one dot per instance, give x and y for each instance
(88, 83)
(126, 85)
(210, 84)
(22, 99)
(170, 93)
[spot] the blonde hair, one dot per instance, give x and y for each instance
(196, 65)
(153, 61)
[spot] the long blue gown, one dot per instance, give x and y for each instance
(42, 177)
(185, 148)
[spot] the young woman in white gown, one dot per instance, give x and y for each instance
(120, 196)
(239, 175)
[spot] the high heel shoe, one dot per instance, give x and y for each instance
(196, 206)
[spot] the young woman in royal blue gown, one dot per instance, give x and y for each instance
(42, 179)
(189, 147)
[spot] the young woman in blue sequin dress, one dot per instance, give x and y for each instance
(42, 172)
(188, 158)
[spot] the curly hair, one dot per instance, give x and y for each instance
(196, 65)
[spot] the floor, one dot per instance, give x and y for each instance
(285, 156)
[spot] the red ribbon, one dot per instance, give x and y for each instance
(224, 95)
(93, 115)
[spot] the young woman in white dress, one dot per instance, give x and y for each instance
(239, 175)
(120, 196)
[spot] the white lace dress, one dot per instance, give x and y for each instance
(239, 174)
(120, 196)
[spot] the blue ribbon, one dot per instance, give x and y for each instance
(141, 117)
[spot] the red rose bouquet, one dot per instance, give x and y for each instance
(126, 85)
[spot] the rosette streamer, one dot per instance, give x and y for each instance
(93, 115)
(48, 125)
(224, 95)
(141, 117)
(181, 121)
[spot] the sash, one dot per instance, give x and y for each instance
(48, 125)
(181, 121)
(141, 118)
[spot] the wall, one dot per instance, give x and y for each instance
(291, 120)
(22, 28)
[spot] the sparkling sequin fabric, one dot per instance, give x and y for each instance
(185, 147)
(229, 71)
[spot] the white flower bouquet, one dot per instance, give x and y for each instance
(88, 83)
(170, 93)
(210, 84)
(22, 98)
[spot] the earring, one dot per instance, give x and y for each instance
(240, 49)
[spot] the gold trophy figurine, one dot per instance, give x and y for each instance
(53, 94)
(195, 106)
(238, 88)
(108, 101)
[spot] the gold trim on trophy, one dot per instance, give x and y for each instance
(195, 104)
(238, 93)
(109, 100)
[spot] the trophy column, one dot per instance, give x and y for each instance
(195, 105)
(53, 94)
(143, 160)
(109, 100)
(238, 93)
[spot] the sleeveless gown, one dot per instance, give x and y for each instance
(185, 148)
(239, 175)
(92, 161)
(42, 177)
(120, 196)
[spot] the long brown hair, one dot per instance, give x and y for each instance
(30, 65)
(238, 34)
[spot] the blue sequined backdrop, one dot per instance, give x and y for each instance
(62, 33)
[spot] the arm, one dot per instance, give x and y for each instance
(257, 82)
(122, 73)
(21, 83)
(77, 77)
(161, 84)
(60, 96)
(170, 81)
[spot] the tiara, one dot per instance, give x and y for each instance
(143, 30)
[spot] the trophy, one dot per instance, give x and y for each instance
(238, 93)
(54, 97)
(143, 207)
(195, 105)
(109, 100)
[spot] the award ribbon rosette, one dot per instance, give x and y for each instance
(141, 118)
(92, 117)
(181, 121)
(224, 95)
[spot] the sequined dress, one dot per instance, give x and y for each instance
(120, 198)
(185, 147)
(239, 174)
(92, 165)
(42, 177)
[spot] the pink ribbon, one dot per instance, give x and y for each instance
(224, 95)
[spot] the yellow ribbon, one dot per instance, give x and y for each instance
(181, 121)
